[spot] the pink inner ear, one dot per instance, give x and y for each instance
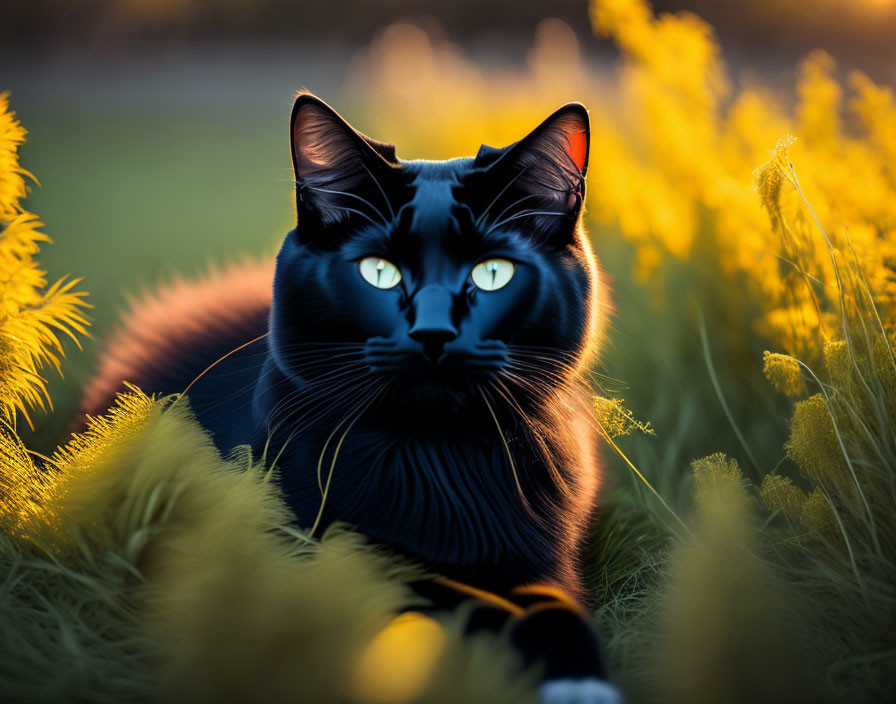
(578, 148)
(321, 141)
(311, 141)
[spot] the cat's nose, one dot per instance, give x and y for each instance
(433, 326)
(434, 342)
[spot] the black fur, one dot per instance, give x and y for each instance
(433, 416)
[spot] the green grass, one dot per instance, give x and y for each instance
(131, 198)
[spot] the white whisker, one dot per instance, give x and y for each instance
(349, 195)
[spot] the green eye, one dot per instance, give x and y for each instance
(492, 274)
(379, 272)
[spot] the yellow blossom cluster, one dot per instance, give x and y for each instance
(840, 437)
(694, 145)
(784, 373)
(615, 419)
(811, 510)
(32, 314)
(718, 476)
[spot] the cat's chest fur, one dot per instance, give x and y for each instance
(448, 498)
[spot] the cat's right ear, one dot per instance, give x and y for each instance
(340, 174)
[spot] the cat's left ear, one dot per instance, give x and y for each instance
(341, 174)
(544, 172)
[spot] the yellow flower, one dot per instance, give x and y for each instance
(718, 476)
(13, 186)
(817, 514)
(784, 373)
(836, 363)
(771, 176)
(812, 510)
(818, 110)
(814, 444)
(779, 493)
(32, 314)
(615, 419)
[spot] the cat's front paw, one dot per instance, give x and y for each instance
(587, 690)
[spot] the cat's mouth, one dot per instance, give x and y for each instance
(388, 356)
(446, 376)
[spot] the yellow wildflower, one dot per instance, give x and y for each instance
(784, 373)
(817, 514)
(820, 98)
(811, 510)
(13, 186)
(615, 419)
(23, 486)
(876, 109)
(32, 315)
(88, 464)
(717, 476)
(771, 176)
(814, 444)
(836, 363)
(779, 493)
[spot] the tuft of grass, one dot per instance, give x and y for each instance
(152, 568)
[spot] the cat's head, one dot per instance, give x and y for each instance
(441, 280)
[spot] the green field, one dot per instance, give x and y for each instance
(131, 199)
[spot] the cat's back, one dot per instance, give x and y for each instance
(172, 334)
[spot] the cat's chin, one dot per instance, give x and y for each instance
(432, 397)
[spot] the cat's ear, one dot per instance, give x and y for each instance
(540, 180)
(340, 173)
(553, 157)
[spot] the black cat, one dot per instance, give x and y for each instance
(421, 374)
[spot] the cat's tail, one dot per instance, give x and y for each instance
(170, 335)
